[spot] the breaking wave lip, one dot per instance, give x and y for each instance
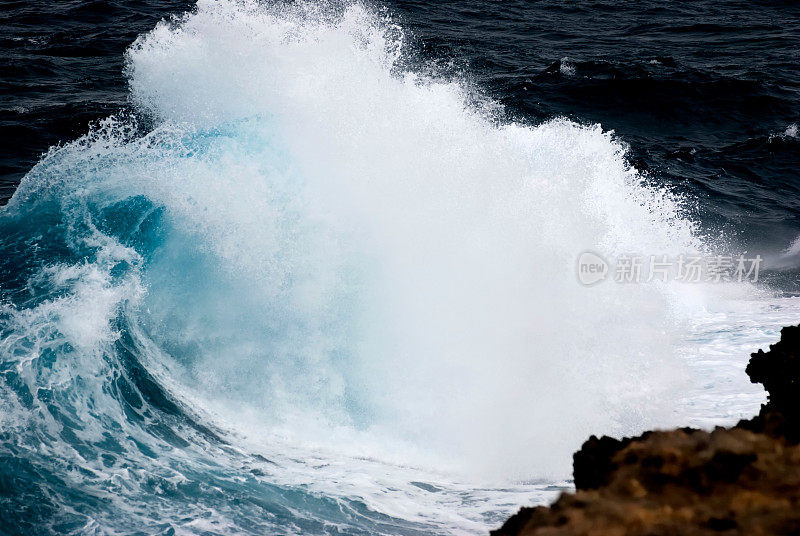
(357, 270)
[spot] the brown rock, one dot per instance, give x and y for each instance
(742, 480)
(779, 371)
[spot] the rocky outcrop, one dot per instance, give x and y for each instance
(740, 480)
(779, 371)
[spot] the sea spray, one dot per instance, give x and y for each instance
(317, 249)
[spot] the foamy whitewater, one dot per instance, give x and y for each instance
(308, 289)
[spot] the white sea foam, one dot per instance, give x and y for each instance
(791, 132)
(398, 260)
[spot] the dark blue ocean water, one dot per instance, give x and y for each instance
(127, 297)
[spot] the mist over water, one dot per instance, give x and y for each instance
(313, 248)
